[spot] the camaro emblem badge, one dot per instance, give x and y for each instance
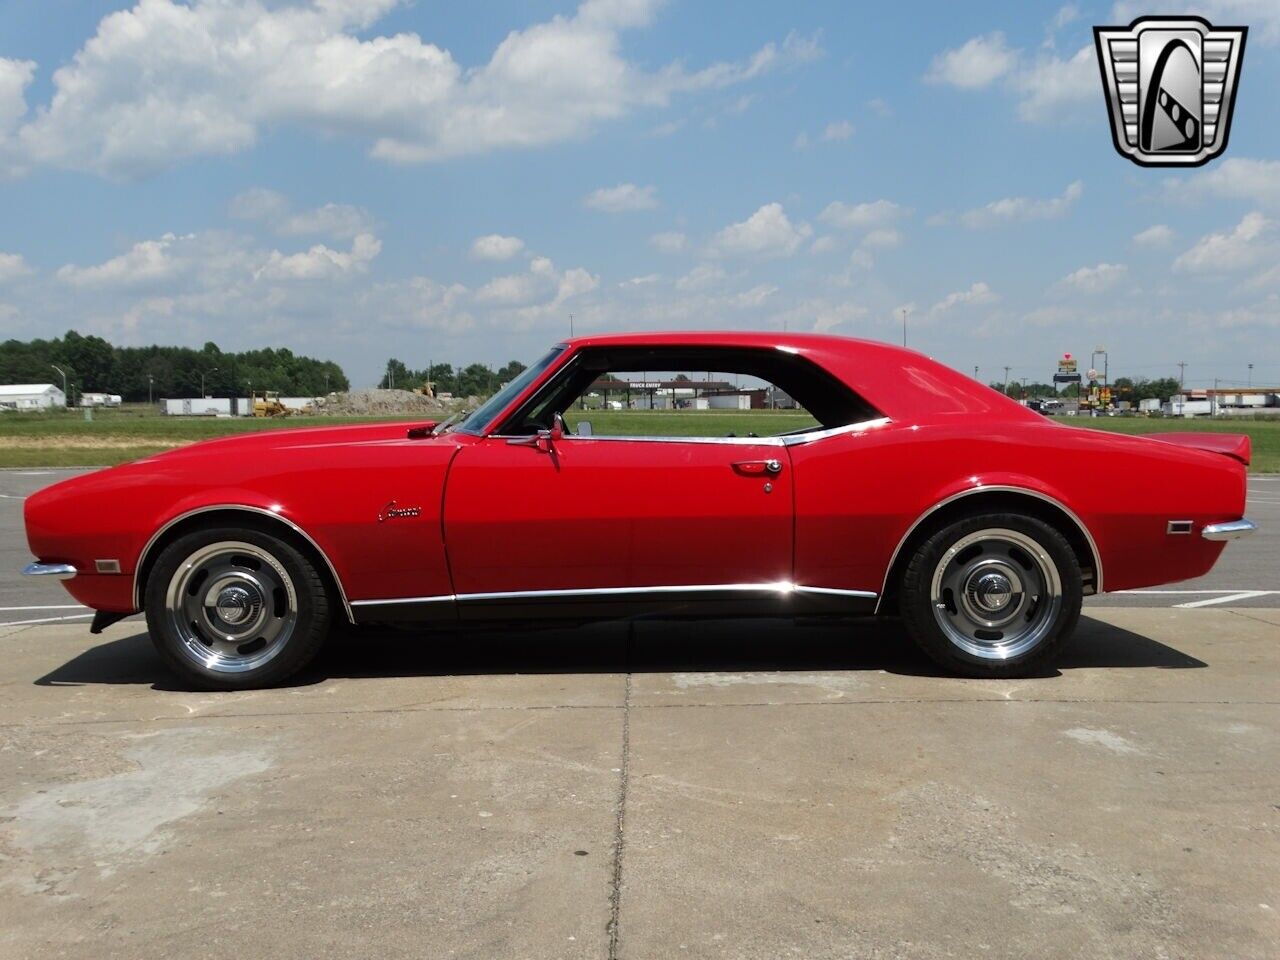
(1170, 84)
(392, 512)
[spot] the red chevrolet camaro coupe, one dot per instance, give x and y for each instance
(912, 491)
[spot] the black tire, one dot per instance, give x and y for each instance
(996, 595)
(273, 599)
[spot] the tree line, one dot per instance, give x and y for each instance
(1122, 388)
(93, 365)
(474, 380)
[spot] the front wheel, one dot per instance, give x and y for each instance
(235, 608)
(992, 596)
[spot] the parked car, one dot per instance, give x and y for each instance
(915, 492)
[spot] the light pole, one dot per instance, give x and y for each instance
(975, 371)
(904, 326)
(1006, 381)
(1249, 382)
(150, 384)
(202, 376)
(66, 400)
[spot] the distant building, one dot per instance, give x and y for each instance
(100, 400)
(31, 396)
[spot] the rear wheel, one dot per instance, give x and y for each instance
(992, 596)
(235, 608)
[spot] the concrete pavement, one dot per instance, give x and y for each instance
(659, 790)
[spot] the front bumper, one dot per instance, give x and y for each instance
(59, 571)
(1231, 530)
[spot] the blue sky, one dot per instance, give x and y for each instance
(360, 178)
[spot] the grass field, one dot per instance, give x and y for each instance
(66, 439)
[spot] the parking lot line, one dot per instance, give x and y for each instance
(23, 623)
(65, 606)
(1229, 598)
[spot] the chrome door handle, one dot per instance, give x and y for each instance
(754, 468)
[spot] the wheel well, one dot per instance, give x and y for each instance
(997, 501)
(251, 519)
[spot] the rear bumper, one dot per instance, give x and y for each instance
(1231, 530)
(59, 571)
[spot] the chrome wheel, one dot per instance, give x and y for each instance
(996, 593)
(232, 607)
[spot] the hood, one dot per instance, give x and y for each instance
(272, 439)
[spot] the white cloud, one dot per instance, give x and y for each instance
(703, 275)
(670, 241)
(167, 81)
(15, 75)
(1237, 178)
(542, 281)
(145, 262)
(766, 233)
(1158, 235)
(495, 246)
(321, 262)
(882, 238)
(1247, 244)
(1020, 209)
(977, 64)
(880, 107)
(13, 267)
(624, 198)
(1050, 84)
(861, 215)
(339, 221)
(837, 130)
(977, 294)
(1096, 279)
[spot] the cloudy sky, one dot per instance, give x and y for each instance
(449, 182)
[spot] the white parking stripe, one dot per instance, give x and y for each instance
(10, 496)
(23, 623)
(1230, 598)
(65, 606)
(1187, 593)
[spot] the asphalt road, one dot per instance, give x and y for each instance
(1247, 575)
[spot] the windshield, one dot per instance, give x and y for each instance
(479, 421)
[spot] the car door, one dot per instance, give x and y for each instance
(618, 514)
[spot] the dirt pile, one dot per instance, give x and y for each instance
(373, 403)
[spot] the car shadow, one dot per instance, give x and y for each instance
(645, 646)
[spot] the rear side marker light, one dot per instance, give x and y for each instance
(1179, 527)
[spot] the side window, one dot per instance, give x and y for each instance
(685, 403)
(696, 392)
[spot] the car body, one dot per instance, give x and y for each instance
(508, 516)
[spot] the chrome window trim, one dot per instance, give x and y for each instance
(998, 488)
(781, 440)
(778, 587)
(1231, 530)
(242, 508)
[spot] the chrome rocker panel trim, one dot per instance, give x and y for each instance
(1231, 530)
(59, 571)
(605, 598)
(241, 508)
(1093, 546)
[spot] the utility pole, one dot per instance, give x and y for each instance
(151, 382)
(904, 326)
(1006, 381)
(571, 324)
(66, 400)
(975, 371)
(1182, 392)
(1249, 382)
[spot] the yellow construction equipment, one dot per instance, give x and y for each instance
(428, 389)
(267, 404)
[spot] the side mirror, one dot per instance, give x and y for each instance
(584, 428)
(557, 431)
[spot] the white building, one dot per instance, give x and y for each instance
(31, 396)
